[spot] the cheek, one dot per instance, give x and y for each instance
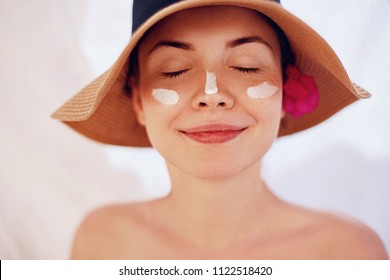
(165, 96)
(262, 91)
(161, 107)
(267, 99)
(170, 93)
(266, 109)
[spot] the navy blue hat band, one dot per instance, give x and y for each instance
(144, 9)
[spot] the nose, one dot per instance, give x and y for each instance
(217, 99)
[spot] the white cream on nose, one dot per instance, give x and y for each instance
(262, 91)
(211, 83)
(165, 96)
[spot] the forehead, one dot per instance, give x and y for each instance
(213, 21)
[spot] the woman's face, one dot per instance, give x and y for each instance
(209, 89)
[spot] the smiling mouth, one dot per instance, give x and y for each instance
(213, 134)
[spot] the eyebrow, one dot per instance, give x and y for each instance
(173, 44)
(230, 44)
(246, 40)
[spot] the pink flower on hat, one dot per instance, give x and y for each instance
(301, 94)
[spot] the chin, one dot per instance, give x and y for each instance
(215, 163)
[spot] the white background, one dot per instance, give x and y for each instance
(50, 177)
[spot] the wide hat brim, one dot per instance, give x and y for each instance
(103, 112)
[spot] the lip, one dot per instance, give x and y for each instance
(213, 133)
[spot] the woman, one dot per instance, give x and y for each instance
(213, 83)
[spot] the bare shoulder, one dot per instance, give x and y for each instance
(101, 230)
(346, 238)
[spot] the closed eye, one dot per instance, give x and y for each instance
(174, 74)
(246, 70)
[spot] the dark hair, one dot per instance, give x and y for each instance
(286, 53)
(287, 56)
(132, 68)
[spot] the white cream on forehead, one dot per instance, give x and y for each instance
(165, 96)
(262, 91)
(211, 83)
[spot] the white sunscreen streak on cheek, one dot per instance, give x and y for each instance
(211, 83)
(165, 96)
(262, 91)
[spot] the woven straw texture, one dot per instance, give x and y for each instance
(103, 112)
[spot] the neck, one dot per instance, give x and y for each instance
(230, 206)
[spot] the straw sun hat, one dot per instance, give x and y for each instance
(103, 112)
